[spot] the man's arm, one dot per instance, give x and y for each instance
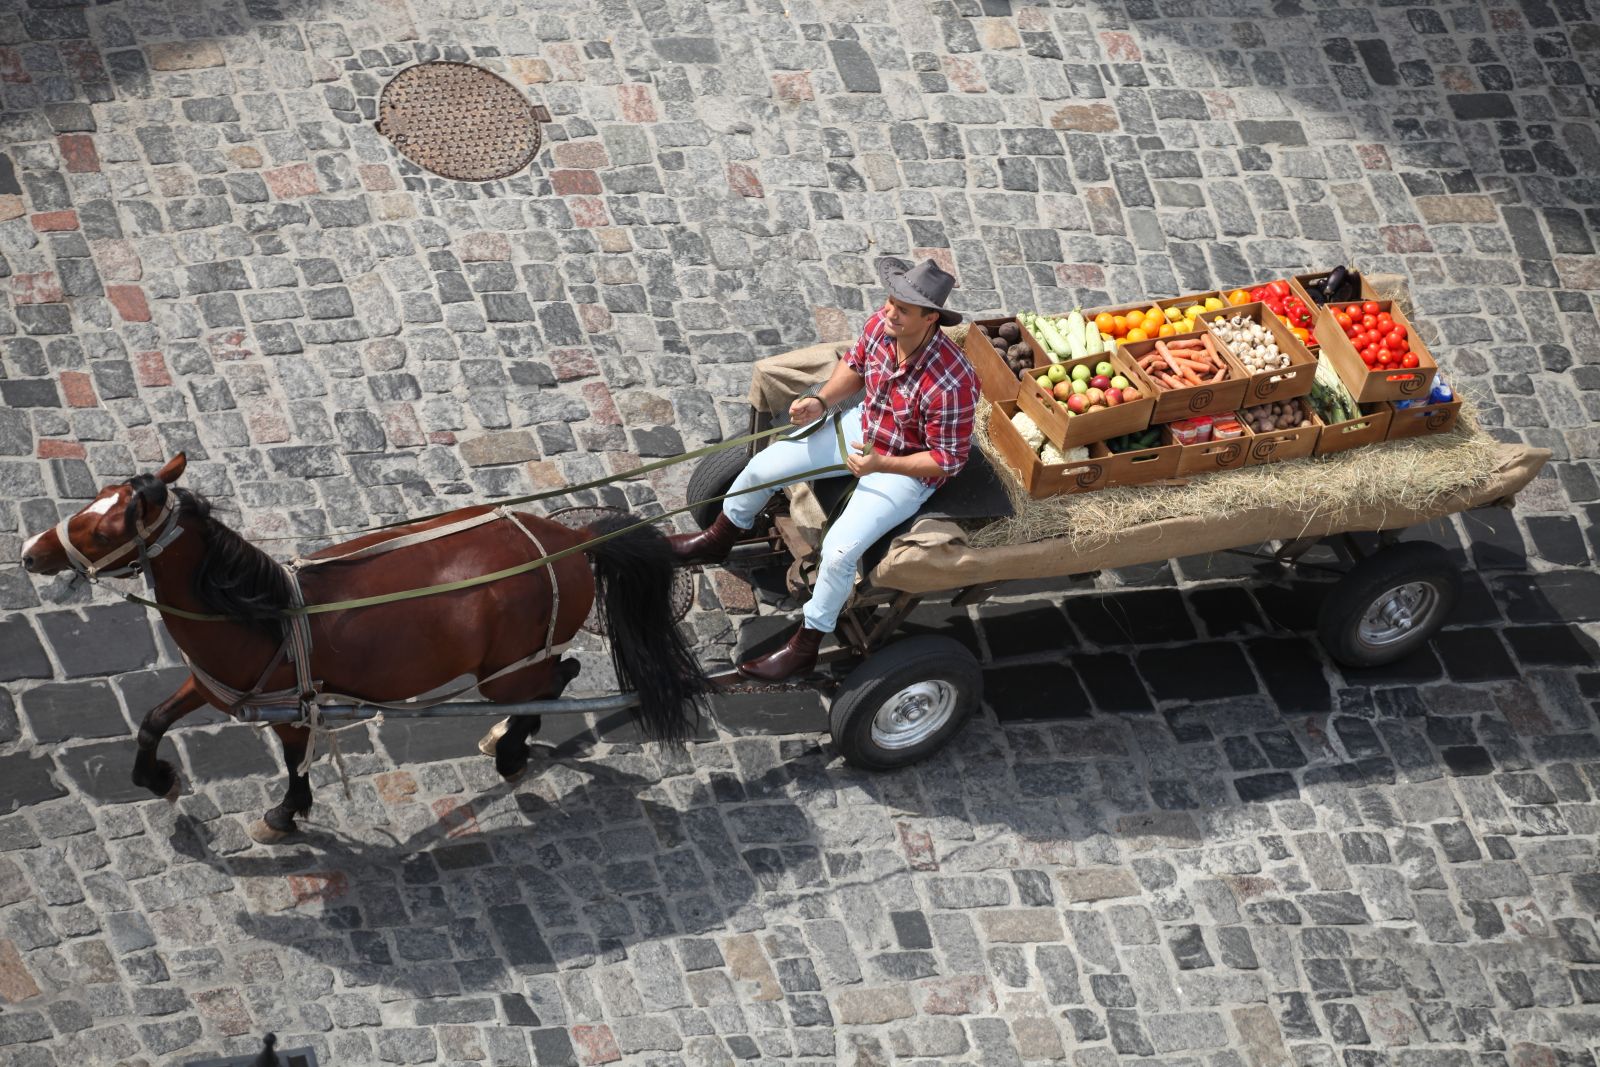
(842, 383)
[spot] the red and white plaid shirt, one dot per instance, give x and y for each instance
(926, 406)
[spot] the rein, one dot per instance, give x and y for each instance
(534, 564)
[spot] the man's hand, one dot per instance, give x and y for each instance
(807, 409)
(865, 461)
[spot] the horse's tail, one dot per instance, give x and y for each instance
(633, 587)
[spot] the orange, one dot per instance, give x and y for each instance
(1104, 322)
(1167, 329)
(1153, 320)
(1119, 326)
(1136, 334)
(1238, 296)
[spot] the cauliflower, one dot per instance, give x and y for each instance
(1029, 430)
(1054, 455)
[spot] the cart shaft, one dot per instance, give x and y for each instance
(456, 709)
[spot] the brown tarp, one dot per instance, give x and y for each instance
(934, 555)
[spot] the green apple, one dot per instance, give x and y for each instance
(1081, 373)
(1080, 386)
(1056, 372)
(1119, 382)
(1043, 382)
(1104, 368)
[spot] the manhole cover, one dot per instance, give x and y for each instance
(459, 121)
(682, 580)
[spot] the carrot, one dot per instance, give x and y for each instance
(1161, 346)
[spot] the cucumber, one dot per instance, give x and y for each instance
(1074, 332)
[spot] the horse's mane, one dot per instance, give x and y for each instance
(234, 578)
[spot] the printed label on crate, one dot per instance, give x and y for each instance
(1201, 400)
(1439, 420)
(1264, 447)
(1226, 456)
(1088, 477)
(1410, 384)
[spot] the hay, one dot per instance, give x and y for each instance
(1412, 474)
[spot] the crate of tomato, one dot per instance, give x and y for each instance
(1376, 351)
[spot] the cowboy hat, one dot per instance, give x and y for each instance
(924, 286)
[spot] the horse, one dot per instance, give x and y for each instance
(231, 609)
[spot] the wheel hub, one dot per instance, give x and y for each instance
(913, 714)
(1397, 613)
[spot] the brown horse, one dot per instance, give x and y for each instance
(387, 652)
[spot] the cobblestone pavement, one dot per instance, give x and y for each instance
(1220, 849)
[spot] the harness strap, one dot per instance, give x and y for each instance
(404, 541)
(166, 521)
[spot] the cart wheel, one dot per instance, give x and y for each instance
(904, 703)
(1388, 604)
(713, 476)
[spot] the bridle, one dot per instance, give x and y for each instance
(165, 529)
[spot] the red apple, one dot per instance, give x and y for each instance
(1113, 397)
(1063, 390)
(1100, 381)
(1130, 394)
(1096, 396)
(1076, 403)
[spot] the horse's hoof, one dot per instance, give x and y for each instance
(175, 792)
(262, 834)
(487, 743)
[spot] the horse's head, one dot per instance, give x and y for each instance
(124, 522)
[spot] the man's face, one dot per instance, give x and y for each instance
(905, 319)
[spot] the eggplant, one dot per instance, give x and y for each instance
(1335, 284)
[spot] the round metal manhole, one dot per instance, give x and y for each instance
(682, 580)
(459, 121)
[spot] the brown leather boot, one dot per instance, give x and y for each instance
(710, 545)
(799, 654)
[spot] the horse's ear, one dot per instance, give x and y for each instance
(174, 468)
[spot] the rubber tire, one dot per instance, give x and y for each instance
(904, 663)
(713, 476)
(1339, 621)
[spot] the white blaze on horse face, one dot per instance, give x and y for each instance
(100, 507)
(27, 546)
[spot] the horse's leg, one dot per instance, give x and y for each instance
(278, 822)
(157, 775)
(510, 747)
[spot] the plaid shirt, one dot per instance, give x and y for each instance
(926, 406)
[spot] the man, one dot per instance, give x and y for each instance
(912, 432)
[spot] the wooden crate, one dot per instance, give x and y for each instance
(1210, 399)
(1266, 386)
(1369, 386)
(1420, 419)
(994, 377)
(1038, 478)
(1065, 432)
(1371, 428)
(1140, 467)
(1297, 285)
(1209, 456)
(1275, 446)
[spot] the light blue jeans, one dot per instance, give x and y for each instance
(880, 502)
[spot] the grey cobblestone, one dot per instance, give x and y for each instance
(205, 245)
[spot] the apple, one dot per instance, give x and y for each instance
(1100, 381)
(1043, 382)
(1113, 397)
(1080, 373)
(1119, 382)
(1105, 368)
(1097, 407)
(1095, 396)
(1130, 394)
(1057, 372)
(1061, 391)
(1076, 403)
(1080, 386)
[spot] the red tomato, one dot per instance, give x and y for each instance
(1368, 358)
(1369, 321)
(1394, 344)
(1342, 319)
(1370, 308)
(1385, 322)
(1408, 360)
